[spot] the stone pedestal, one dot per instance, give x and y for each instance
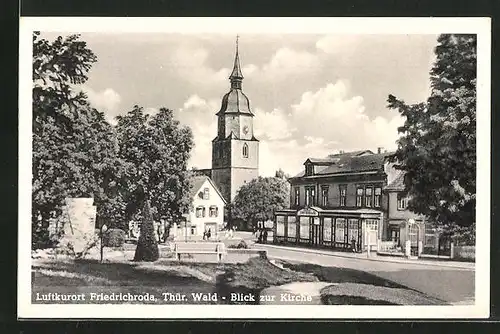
(79, 216)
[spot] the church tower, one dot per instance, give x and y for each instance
(235, 150)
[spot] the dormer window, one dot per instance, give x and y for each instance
(309, 169)
(206, 193)
(245, 150)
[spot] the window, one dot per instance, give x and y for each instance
(343, 194)
(213, 211)
(309, 169)
(297, 196)
(327, 229)
(368, 197)
(280, 226)
(206, 193)
(245, 150)
(200, 212)
(310, 196)
(324, 195)
(378, 195)
(359, 197)
(339, 230)
(402, 202)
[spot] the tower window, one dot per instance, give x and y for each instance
(245, 150)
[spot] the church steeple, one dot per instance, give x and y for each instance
(236, 76)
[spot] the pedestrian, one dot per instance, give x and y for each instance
(231, 231)
(353, 245)
(208, 234)
(264, 237)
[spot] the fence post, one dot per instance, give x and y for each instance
(452, 250)
(408, 248)
(420, 247)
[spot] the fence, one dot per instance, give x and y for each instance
(388, 247)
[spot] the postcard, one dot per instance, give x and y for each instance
(254, 168)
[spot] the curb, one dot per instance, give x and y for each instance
(417, 262)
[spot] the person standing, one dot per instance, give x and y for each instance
(264, 236)
(208, 234)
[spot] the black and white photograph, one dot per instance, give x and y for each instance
(247, 167)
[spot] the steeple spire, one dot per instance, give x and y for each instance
(236, 76)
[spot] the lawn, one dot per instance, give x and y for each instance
(167, 276)
(163, 276)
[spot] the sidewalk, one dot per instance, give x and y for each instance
(375, 257)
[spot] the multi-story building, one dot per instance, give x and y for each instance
(346, 200)
(207, 210)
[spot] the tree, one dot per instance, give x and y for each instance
(74, 148)
(437, 149)
(260, 198)
(147, 245)
(155, 151)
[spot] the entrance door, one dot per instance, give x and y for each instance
(315, 232)
(413, 236)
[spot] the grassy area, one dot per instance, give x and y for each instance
(164, 276)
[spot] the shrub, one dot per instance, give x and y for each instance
(147, 245)
(242, 244)
(114, 237)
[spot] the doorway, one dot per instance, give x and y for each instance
(315, 231)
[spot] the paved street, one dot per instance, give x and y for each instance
(452, 285)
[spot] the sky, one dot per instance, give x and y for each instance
(312, 95)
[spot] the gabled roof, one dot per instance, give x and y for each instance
(348, 162)
(198, 182)
(398, 184)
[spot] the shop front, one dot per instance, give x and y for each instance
(348, 230)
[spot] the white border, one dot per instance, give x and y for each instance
(480, 26)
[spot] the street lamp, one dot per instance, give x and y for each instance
(186, 220)
(104, 228)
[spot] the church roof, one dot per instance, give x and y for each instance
(235, 101)
(236, 73)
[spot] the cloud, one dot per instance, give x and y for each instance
(321, 123)
(106, 101)
(199, 115)
(191, 65)
(284, 64)
(272, 125)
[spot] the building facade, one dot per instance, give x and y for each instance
(343, 202)
(207, 211)
(235, 150)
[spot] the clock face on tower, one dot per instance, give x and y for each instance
(245, 129)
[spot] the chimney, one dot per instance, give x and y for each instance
(379, 150)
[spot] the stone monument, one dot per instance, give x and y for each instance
(79, 217)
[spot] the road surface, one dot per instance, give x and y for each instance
(453, 285)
